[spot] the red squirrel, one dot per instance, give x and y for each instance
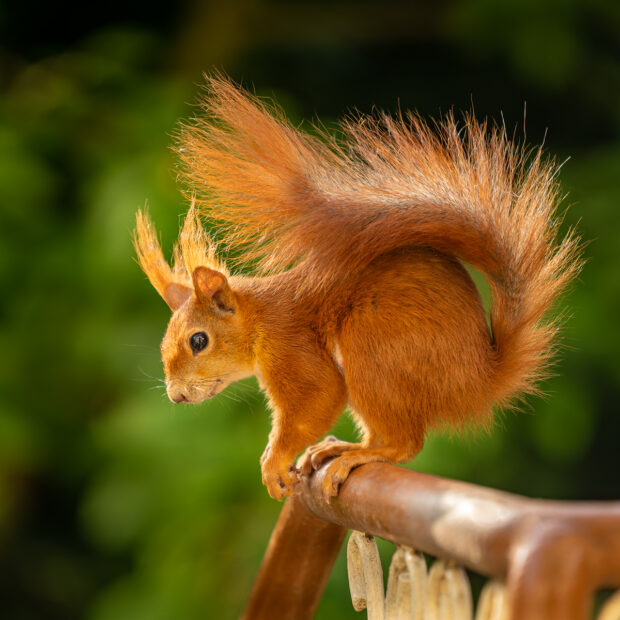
(360, 297)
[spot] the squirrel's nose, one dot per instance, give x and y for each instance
(179, 397)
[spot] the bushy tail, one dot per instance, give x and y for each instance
(286, 197)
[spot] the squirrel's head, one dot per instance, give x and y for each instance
(206, 346)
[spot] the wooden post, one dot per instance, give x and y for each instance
(298, 561)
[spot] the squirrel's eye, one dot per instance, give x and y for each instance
(198, 341)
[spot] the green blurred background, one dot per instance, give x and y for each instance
(117, 505)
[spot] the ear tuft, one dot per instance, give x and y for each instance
(154, 265)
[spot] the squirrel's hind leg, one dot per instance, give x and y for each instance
(316, 455)
(340, 468)
(349, 456)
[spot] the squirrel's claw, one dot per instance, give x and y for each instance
(335, 475)
(280, 479)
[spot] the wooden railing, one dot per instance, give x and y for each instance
(545, 559)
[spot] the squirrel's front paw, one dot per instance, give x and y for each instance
(280, 477)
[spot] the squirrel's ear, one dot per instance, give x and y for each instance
(212, 287)
(175, 294)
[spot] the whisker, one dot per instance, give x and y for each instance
(146, 374)
(140, 346)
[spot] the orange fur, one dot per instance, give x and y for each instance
(360, 295)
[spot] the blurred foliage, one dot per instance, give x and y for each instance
(116, 505)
